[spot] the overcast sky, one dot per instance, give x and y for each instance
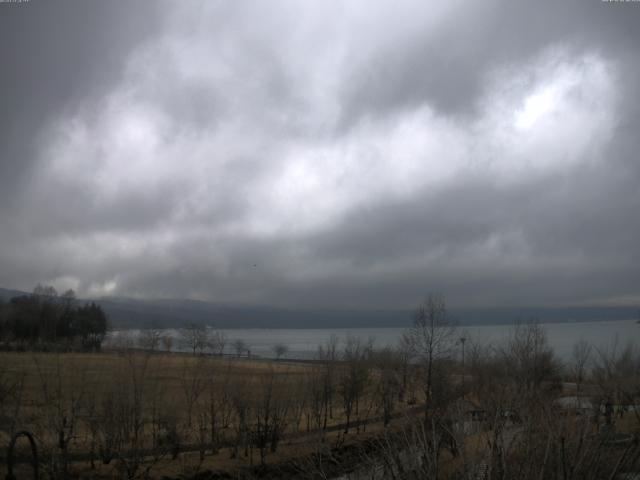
(322, 154)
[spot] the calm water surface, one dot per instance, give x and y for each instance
(303, 343)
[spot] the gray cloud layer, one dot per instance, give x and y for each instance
(315, 155)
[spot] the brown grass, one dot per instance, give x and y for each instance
(50, 379)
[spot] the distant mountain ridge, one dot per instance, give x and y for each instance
(6, 294)
(167, 313)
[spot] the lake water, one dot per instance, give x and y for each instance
(303, 343)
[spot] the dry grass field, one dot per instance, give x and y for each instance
(133, 414)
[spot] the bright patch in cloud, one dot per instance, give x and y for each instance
(535, 107)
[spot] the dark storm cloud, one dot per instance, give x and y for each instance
(54, 55)
(303, 155)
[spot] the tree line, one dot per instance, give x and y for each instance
(46, 320)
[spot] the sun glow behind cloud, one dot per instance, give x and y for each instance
(563, 84)
(536, 106)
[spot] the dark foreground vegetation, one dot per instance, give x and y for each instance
(436, 406)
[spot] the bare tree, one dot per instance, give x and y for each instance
(62, 397)
(130, 399)
(299, 394)
(580, 357)
(11, 393)
(279, 349)
(354, 378)
(388, 382)
(404, 355)
(194, 337)
(328, 355)
(239, 346)
(122, 340)
(167, 342)
(316, 395)
(149, 339)
(529, 357)
(431, 337)
(616, 371)
(270, 411)
(217, 402)
(240, 400)
(193, 383)
(217, 342)
(132, 420)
